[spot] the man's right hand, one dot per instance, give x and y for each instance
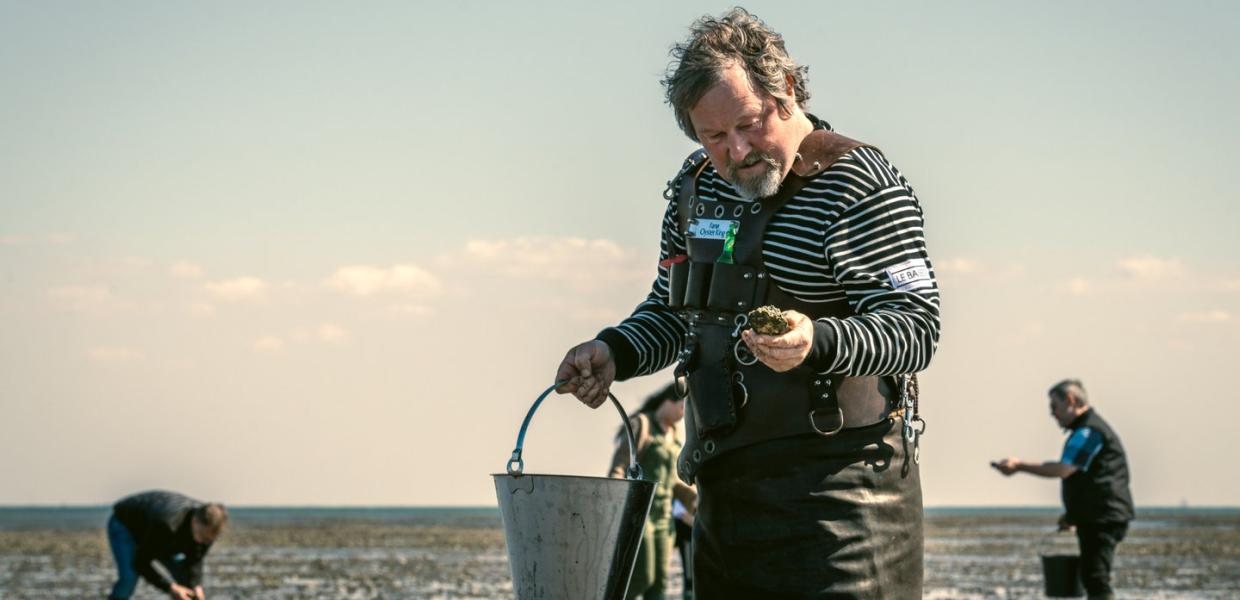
(181, 592)
(587, 372)
(1064, 524)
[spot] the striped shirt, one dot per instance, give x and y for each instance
(853, 233)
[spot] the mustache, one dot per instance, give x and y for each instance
(752, 159)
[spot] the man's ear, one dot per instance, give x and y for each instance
(784, 105)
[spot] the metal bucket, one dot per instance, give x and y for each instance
(572, 537)
(1063, 575)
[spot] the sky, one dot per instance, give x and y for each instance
(295, 253)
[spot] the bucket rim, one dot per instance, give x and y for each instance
(615, 479)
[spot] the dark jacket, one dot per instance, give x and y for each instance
(161, 524)
(1098, 491)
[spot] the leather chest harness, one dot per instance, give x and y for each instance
(734, 400)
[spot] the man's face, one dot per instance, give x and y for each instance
(204, 534)
(672, 411)
(751, 143)
(1062, 410)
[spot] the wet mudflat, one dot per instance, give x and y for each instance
(969, 554)
(1170, 553)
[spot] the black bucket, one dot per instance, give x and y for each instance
(1063, 575)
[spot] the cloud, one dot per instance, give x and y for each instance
(363, 280)
(241, 288)
(268, 344)
(332, 333)
(1206, 317)
(114, 355)
(1149, 268)
(186, 270)
(83, 298)
(201, 310)
(411, 310)
(957, 266)
(328, 333)
(50, 239)
(581, 264)
(1077, 286)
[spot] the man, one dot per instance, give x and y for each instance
(165, 527)
(1095, 491)
(807, 487)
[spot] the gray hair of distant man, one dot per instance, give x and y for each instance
(213, 515)
(1073, 386)
(713, 45)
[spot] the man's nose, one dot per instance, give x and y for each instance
(738, 147)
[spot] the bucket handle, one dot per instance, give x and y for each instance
(635, 470)
(1046, 544)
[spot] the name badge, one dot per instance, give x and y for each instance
(912, 274)
(710, 229)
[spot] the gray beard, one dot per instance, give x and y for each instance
(764, 185)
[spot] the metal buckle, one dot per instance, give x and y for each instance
(738, 380)
(743, 354)
(839, 412)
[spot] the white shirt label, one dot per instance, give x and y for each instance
(912, 274)
(711, 229)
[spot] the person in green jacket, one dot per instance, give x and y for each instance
(658, 445)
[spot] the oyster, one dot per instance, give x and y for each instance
(768, 320)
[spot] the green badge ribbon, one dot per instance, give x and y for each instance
(729, 240)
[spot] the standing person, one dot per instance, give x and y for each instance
(1094, 471)
(683, 520)
(807, 487)
(165, 527)
(658, 444)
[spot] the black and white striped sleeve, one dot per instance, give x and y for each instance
(877, 253)
(649, 339)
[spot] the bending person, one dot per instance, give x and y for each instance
(165, 527)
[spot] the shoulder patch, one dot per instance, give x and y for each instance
(911, 274)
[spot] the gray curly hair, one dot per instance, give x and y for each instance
(713, 45)
(1069, 386)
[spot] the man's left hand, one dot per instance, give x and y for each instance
(787, 350)
(1007, 466)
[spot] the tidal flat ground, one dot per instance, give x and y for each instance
(420, 553)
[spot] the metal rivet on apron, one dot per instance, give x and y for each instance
(817, 382)
(756, 208)
(697, 456)
(747, 275)
(701, 209)
(740, 210)
(719, 211)
(709, 446)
